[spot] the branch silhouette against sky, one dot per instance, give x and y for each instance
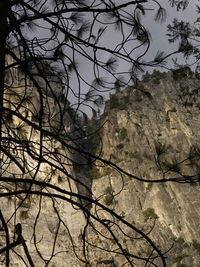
(59, 59)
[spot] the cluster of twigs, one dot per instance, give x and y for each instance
(40, 133)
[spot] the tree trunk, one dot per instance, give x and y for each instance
(3, 35)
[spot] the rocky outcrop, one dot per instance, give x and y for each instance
(37, 124)
(150, 140)
(153, 132)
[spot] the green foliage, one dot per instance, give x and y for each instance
(94, 172)
(149, 214)
(107, 171)
(122, 134)
(92, 137)
(119, 103)
(179, 258)
(108, 190)
(185, 33)
(126, 100)
(108, 200)
(114, 102)
(157, 76)
(146, 77)
(181, 73)
(180, 240)
(140, 86)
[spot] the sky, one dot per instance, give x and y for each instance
(158, 32)
(159, 38)
(158, 42)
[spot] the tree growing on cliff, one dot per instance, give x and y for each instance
(44, 50)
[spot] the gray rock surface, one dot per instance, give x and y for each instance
(154, 134)
(169, 119)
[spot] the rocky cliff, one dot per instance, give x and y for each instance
(153, 132)
(37, 133)
(147, 182)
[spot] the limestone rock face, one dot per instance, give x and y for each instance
(153, 132)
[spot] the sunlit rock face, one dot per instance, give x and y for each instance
(154, 133)
(35, 116)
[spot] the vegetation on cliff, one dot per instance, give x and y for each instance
(52, 212)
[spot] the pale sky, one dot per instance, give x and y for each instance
(159, 41)
(158, 32)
